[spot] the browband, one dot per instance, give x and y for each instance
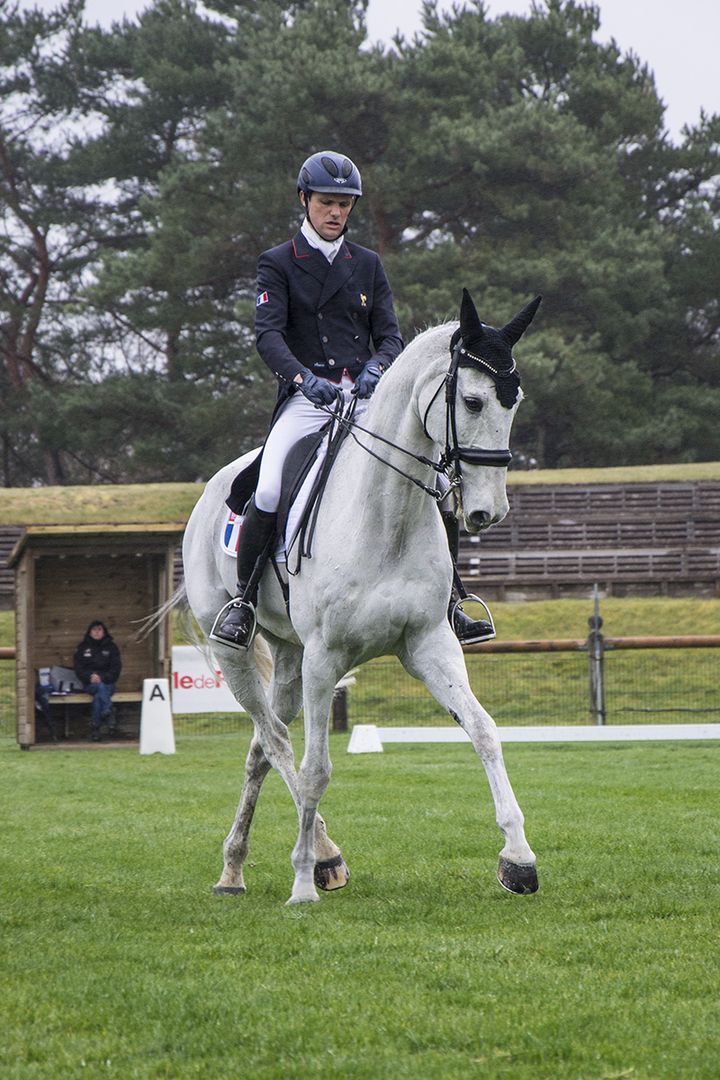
(485, 363)
(506, 382)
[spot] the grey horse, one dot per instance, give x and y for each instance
(378, 583)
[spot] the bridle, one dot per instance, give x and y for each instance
(449, 464)
(454, 454)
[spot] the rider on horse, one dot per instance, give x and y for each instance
(324, 323)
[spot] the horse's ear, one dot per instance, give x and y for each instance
(514, 330)
(470, 325)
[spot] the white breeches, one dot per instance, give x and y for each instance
(299, 417)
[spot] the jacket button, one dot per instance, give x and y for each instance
(324, 341)
(331, 363)
(320, 315)
(356, 338)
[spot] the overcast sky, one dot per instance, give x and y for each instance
(678, 39)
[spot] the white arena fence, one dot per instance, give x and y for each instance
(606, 681)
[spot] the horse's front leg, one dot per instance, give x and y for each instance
(437, 659)
(331, 871)
(313, 774)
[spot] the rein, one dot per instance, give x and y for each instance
(344, 421)
(454, 454)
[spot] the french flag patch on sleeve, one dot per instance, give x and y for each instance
(262, 299)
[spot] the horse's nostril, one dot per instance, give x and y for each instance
(480, 519)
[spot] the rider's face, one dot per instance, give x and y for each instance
(328, 213)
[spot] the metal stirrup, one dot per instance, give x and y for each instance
(454, 608)
(220, 618)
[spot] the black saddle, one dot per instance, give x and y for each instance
(298, 464)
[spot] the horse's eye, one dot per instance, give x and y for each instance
(473, 404)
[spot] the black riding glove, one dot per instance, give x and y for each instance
(367, 380)
(318, 391)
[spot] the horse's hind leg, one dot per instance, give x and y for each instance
(437, 659)
(270, 747)
(235, 848)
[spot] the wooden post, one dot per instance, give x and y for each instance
(339, 709)
(595, 649)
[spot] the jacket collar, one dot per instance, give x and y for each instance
(308, 258)
(332, 275)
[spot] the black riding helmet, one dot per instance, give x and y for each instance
(329, 173)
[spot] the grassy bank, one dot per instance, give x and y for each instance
(534, 620)
(123, 503)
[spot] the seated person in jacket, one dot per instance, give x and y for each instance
(97, 665)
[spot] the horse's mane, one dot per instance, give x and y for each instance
(430, 345)
(426, 341)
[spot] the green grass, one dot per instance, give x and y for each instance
(621, 474)
(89, 504)
(115, 959)
(123, 503)
(539, 619)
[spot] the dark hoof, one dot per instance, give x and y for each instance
(228, 890)
(516, 878)
(331, 874)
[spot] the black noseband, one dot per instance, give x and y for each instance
(476, 455)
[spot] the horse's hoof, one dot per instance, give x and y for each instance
(303, 898)
(517, 878)
(228, 890)
(331, 874)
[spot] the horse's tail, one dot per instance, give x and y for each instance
(177, 600)
(191, 631)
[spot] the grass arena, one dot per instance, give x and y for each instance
(117, 960)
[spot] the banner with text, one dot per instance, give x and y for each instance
(196, 686)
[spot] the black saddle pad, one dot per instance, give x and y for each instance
(243, 486)
(298, 464)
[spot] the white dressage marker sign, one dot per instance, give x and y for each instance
(368, 738)
(156, 723)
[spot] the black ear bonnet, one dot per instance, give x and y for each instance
(474, 344)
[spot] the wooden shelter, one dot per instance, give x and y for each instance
(68, 575)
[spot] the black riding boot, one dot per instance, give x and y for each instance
(235, 624)
(468, 631)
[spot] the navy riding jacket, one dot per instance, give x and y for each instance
(323, 316)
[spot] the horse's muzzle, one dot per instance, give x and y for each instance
(479, 520)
